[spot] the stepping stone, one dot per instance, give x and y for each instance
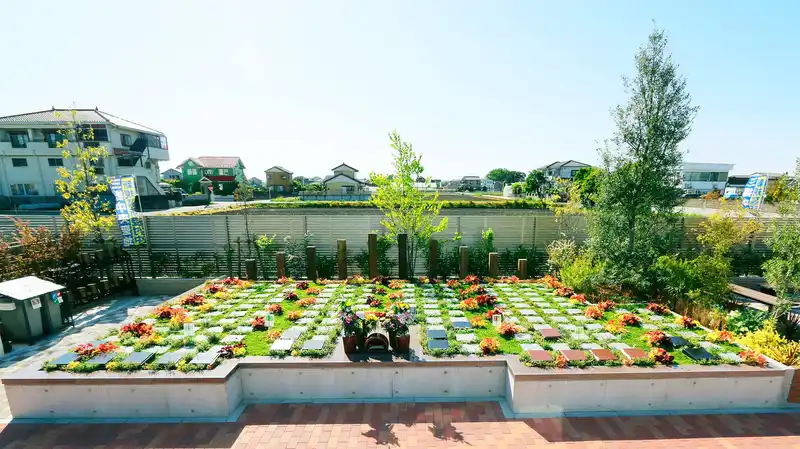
(282, 344)
(634, 353)
(465, 338)
(580, 318)
(310, 313)
(648, 326)
(688, 334)
(238, 314)
(291, 334)
(550, 333)
(324, 329)
(246, 306)
(603, 355)
(171, 357)
(593, 327)
(535, 319)
(215, 330)
(605, 336)
(539, 327)
(226, 321)
(618, 346)
(214, 313)
(430, 306)
(139, 358)
(157, 349)
(677, 342)
(305, 321)
(575, 311)
(471, 349)
(313, 344)
(244, 329)
(232, 339)
(550, 311)
(436, 334)
(697, 354)
(621, 311)
(580, 337)
(276, 299)
(656, 318)
(730, 357)
(568, 327)
(330, 321)
(523, 337)
(531, 347)
(200, 339)
(591, 346)
(540, 355)
(162, 329)
(150, 321)
(515, 320)
(65, 359)
(671, 326)
(458, 324)
(573, 354)
(456, 313)
(436, 313)
(559, 319)
(438, 344)
(224, 306)
(433, 320)
(205, 358)
(709, 346)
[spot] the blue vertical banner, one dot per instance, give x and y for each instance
(130, 222)
(754, 192)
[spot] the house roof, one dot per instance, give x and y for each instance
(213, 161)
(171, 170)
(55, 117)
(341, 175)
(343, 165)
(278, 168)
(470, 177)
(559, 164)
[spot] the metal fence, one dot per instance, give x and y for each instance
(217, 245)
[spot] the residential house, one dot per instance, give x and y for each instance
(224, 172)
(563, 169)
(279, 179)
(30, 157)
(171, 174)
(471, 182)
(701, 178)
(344, 181)
(255, 182)
(491, 186)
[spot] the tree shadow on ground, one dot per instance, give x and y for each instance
(447, 432)
(383, 434)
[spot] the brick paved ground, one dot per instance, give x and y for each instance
(475, 425)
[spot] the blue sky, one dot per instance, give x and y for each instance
(472, 84)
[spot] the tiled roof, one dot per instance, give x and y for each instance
(56, 117)
(559, 164)
(213, 161)
(343, 165)
(279, 168)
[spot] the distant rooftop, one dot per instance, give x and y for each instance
(54, 117)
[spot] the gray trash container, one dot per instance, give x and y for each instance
(28, 310)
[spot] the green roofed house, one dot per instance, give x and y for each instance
(224, 172)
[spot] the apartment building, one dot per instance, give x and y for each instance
(29, 156)
(701, 177)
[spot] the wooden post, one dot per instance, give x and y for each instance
(372, 248)
(402, 255)
(522, 268)
(463, 269)
(493, 264)
(341, 252)
(311, 263)
(280, 258)
(433, 257)
(251, 269)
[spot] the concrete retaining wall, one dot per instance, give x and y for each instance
(166, 286)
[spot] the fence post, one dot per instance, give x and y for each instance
(341, 253)
(280, 259)
(177, 253)
(372, 248)
(251, 269)
(433, 257)
(402, 255)
(522, 268)
(463, 269)
(493, 264)
(228, 250)
(311, 263)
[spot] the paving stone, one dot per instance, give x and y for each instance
(730, 356)
(709, 346)
(244, 329)
(293, 333)
(157, 349)
(656, 318)
(618, 346)
(539, 327)
(535, 319)
(648, 326)
(580, 318)
(238, 314)
(688, 334)
(591, 346)
(330, 321)
(313, 344)
(559, 319)
(550, 311)
(465, 338)
(213, 314)
(513, 319)
(437, 334)
(226, 321)
(677, 342)
(232, 339)
(276, 299)
(471, 349)
(550, 333)
(435, 313)
(573, 354)
(430, 306)
(593, 326)
(568, 327)
(575, 311)
(433, 320)
(205, 358)
(305, 321)
(161, 329)
(438, 344)
(602, 355)
(634, 353)
(621, 311)
(138, 358)
(454, 313)
(523, 337)
(282, 345)
(605, 336)
(246, 306)
(643, 311)
(580, 337)
(324, 329)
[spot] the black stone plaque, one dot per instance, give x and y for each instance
(678, 342)
(697, 354)
(461, 324)
(437, 334)
(138, 358)
(171, 357)
(65, 359)
(102, 359)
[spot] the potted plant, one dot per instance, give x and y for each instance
(396, 323)
(351, 327)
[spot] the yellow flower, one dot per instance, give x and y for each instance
(72, 366)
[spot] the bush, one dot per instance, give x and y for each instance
(767, 341)
(385, 264)
(561, 253)
(582, 274)
(746, 319)
(704, 279)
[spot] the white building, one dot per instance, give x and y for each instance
(563, 169)
(29, 155)
(701, 177)
(171, 174)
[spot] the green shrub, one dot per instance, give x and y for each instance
(582, 274)
(746, 319)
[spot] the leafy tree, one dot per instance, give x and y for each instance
(537, 183)
(244, 194)
(782, 271)
(517, 188)
(297, 186)
(779, 190)
(634, 219)
(407, 209)
(86, 211)
(586, 184)
(505, 175)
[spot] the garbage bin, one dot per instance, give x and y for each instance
(24, 310)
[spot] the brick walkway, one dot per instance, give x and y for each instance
(474, 425)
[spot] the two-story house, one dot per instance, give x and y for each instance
(344, 181)
(701, 177)
(562, 169)
(471, 182)
(223, 172)
(279, 179)
(30, 157)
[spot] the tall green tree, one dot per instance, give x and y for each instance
(244, 194)
(505, 175)
(407, 210)
(86, 212)
(537, 183)
(586, 184)
(635, 217)
(782, 270)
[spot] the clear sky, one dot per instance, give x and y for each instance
(472, 84)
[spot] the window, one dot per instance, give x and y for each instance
(221, 171)
(24, 189)
(191, 172)
(99, 167)
(19, 162)
(126, 139)
(147, 165)
(93, 132)
(55, 162)
(126, 161)
(18, 139)
(92, 144)
(156, 141)
(52, 138)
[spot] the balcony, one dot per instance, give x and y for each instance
(31, 149)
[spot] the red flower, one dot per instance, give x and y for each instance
(193, 300)
(579, 298)
(290, 296)
(593, 312)
(259, 324)
(753, 358)
(659, 355)
(655, 338)
(275, 309)
(493, 312)
(657, 308)
(629, 319)
(302, 285)
(485, 300)
(490, 345)
(137, 329)
(606, 305)
(564, 291)
(472, 279)
(509, 329)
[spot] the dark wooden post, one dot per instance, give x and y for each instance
(251, 269)
(280, 258)
(372, 249)
(402, 255)
(433, 257)
(522, 268)
(341, 253)
(493, 264)
(311, 263)
(463, 269)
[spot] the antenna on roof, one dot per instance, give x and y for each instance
(53, 108)
(95, 108)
